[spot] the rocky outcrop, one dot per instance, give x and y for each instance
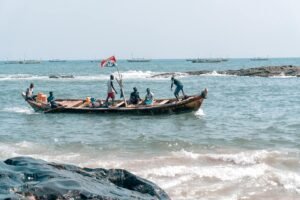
(61, 76)
(267, 71)
(28, 178)
(270, 71)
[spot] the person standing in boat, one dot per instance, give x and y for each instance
(29, 92)
(149, 98)
(179, 87)
(111, 91)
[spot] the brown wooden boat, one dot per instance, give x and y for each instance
(160, 106)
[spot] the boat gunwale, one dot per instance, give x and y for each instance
(141, 107)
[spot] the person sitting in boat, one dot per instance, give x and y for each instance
(149, 98)
(179, 87)
(134, 96)
(94, 103)
(111, 91)
(51, 100)
(29, 93)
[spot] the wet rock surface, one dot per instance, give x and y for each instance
(287, 70)
(28, 178)
(60, 76)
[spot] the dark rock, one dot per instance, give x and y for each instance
(53, 76)
(67, 76)
(270, 71)
(169, 74)
(61, 76)
(24, 177)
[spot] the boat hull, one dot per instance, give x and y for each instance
(190, 104)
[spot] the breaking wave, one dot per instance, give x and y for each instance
(282, 75)
(132, 74)
(10, 77)
(182, 171)
(215, 73)
(22, 110)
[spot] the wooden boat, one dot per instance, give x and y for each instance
(161, 106)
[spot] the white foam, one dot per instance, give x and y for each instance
(241, 158)
(215, 73)
(186, 154)
(223, 173)
(22, 110)
(290, 180)
(11, 77)
(283, 76)
(199, 113)
(131, 74)
(38, 151)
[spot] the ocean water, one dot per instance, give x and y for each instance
(244, 142)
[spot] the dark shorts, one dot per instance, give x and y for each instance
(177, 90)
(111, 95)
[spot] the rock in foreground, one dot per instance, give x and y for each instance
(28, 178)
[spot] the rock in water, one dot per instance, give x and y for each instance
(28, 178)
(286, 70)
(60, 76)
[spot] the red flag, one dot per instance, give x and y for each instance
(109, 62)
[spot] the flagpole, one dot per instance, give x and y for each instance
(120, 82)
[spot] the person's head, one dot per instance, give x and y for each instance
(51, 93)
(148, 90)
(172, 78)
(31, 85)
(134, 89)
(111, 77)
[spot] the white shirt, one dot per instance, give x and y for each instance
(149, 96)
(29, 92)
(109, 87)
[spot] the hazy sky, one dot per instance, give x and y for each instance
(88, 29)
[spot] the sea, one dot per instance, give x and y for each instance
(242, 144)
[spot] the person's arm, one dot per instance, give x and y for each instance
(27, 92)
(172, 84)
(112, 86)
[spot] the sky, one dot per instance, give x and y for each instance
(94, 29)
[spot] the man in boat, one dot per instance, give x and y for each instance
(51, 100)
(111, 91)
(94, 103)
(179, 87)
(29, 92)
(134, 96)
(149, 98)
